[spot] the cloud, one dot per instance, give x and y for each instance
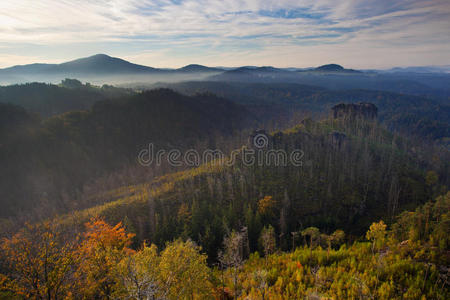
(230, 32)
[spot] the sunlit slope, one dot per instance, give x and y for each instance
(351, 174)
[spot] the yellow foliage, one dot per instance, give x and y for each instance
(377, 234)
(183, 271)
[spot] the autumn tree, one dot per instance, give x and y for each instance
(184, 273)
(40, 260)
(139, 273)
(266, 205)
(102, 248)
(376, 234)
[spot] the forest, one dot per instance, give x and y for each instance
(361, 213)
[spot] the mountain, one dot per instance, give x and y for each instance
(96, 64)
(330, 68)
(334, 68)
(198, 69)
(103, 64)
(99, 64)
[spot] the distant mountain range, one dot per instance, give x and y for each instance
(101, 68)
(421, 69)
(97, 67)
(102, 64)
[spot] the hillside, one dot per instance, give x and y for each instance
(351, 174)
(48, 165)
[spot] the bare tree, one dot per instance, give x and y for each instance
(232, 255)
(268, 241)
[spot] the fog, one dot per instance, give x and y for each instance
(129, 80)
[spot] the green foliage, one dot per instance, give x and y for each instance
(426, 229)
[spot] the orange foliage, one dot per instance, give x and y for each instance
(101, 234)
(103, 247)
(266, 205)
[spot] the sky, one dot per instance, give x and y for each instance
(360, 34)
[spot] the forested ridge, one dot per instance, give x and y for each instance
(48, 99)
(280, 102)
(47, 164)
